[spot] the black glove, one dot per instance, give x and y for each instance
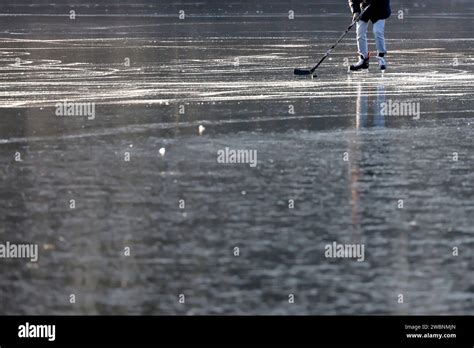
(364, 4)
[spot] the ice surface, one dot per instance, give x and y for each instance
(230, 66)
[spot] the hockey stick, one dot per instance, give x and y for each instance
(311, 71)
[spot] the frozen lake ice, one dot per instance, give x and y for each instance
(171, 93)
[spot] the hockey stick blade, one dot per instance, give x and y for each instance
(303, 72)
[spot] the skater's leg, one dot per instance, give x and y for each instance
(362, 44)
(379, 34)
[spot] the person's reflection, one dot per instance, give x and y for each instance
(367, 166)
(370, 98)
(368, 113)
